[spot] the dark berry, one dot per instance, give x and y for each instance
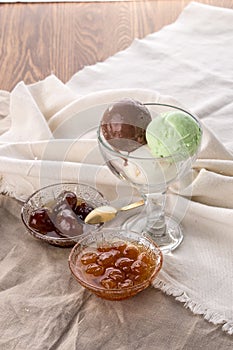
(40, 220)
(82, 210)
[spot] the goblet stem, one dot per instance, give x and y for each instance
(155, 207)
(164, 230)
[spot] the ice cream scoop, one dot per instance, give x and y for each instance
(173, 133)
(124, 124)
(142, 168)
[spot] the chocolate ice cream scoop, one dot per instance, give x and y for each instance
(124, 124)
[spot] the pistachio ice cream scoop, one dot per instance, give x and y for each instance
(173, 133)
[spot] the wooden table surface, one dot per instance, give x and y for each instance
(37, 39)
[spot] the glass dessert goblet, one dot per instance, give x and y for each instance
(173, 139)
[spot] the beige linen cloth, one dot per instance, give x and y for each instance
(45, 138)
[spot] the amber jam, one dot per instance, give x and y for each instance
(64, 217)
(118, 265)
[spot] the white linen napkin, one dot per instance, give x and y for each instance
(43, 141)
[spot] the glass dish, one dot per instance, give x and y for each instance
(115, 264)
(45, 196)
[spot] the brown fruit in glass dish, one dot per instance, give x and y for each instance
(41, 220)
(82, 209)
(66, 198)
(65, 217)
(67, 223)
(49, 201)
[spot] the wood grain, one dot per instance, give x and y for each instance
(61, 38)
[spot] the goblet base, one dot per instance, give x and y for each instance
(167, 241)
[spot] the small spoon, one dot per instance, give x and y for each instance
(107, 213)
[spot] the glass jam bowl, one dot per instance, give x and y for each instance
(115, 264)
(55, 214)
